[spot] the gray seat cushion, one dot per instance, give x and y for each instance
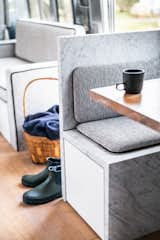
(36, 41)
(5, 63)
(120, 134)
(85, 78)
(3, 94)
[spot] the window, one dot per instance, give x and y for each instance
(44, 9)
(34, 9)
(81, 13)
(65, 11)
(15, 9)
(88, 14)
(132, 15)
(49, 10)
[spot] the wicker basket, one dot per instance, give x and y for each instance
(40, 147)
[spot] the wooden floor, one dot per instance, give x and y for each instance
(53, 221)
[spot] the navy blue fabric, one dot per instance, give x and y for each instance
(44, 124)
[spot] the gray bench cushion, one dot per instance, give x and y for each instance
(85, 78)
(120, 134)
(37, 41)
(5, 64)
(3, 94)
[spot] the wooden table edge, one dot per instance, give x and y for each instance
(124, 110)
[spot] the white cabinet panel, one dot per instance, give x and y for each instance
(85, 187)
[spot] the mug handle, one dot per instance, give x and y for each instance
(118, 84)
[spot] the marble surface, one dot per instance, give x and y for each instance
(134, 195)
(132, 188)
(131, 179)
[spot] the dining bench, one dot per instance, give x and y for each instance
(111, 164)
(120, 134)
(33, 54)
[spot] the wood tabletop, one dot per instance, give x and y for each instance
(144, 107)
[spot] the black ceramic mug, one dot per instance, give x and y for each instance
(132, 81)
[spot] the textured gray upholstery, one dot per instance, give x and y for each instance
(85, 78)
(6, 63)
(37, 41)
(120, 134)
(3, 94)
(7, 48)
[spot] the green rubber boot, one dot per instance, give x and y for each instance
(47, 191)
(36, 179)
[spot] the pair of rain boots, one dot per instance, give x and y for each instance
(46, 184)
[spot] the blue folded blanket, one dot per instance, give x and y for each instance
(44, 124)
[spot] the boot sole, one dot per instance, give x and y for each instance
(41, 201)
(29, 185)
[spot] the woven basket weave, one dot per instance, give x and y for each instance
(40, 147)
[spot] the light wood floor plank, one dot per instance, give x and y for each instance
(53, 221)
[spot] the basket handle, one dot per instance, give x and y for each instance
(28, 85)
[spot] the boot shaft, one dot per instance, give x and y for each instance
(55, 173)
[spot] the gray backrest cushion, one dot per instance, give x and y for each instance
(86, 78)
(37, 41)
